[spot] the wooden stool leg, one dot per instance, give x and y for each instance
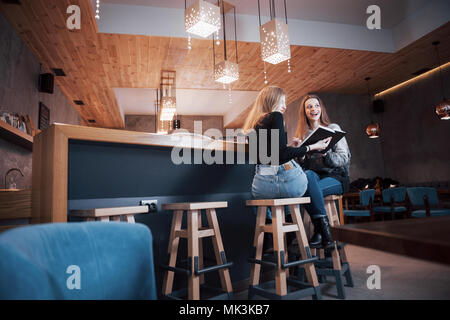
(330, 207)
(89, 219)
(286, 258)
(173, 251)
(277, 231)
(258, 244)
(130, 218)
(218, 248)
(342, 250)
(341, 212)
(103, 219)
(192, 230)
(302, 245)
(200, 249)
(115, 218)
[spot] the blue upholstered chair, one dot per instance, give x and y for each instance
(77, 261)
(393, 197)
(366, 199)
(425, 203)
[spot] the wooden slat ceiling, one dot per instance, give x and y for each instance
(95, 63)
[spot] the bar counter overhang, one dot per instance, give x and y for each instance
(78, 167)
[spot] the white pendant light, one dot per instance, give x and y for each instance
(274, 37)
(226, 72)
(202, 19)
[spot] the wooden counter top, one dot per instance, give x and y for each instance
(141, 138)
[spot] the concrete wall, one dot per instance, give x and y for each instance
(353, 114)
(146, 123)
(416, 144)
(19, 71)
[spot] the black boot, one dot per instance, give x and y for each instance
(322, 235)
(316, 240)
(327, 240)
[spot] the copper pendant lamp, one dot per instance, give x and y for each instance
(373, 129)
(442, 108)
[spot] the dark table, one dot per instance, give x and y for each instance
(427, 239)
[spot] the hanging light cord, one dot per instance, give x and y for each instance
(224, 32)
(285, 11)
(368, 94)
(440, 68)
(235, 36)
(259, 13)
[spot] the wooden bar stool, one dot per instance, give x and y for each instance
(107, 214)
(338, 266)
(194, 234)
(281, 262)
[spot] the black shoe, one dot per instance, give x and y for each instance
(316, 240)
(327, 240)
(322, 234)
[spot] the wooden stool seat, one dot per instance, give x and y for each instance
(281, 262)
(277, 202)
(194, 233)
(338, 265)
(105, 214)
(195, 205)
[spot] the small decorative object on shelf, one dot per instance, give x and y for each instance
(18, 121)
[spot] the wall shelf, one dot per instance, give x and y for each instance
(16, 136)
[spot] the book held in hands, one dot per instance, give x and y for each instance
(321, 133)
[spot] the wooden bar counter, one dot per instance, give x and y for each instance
(78, 168)
(51, 159)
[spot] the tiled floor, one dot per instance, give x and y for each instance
(401, 278)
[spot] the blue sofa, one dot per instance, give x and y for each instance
(77, 261)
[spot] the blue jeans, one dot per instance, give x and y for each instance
(281, 184)
(317, 190)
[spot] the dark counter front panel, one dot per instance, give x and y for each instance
(106, 170)
(114, 175)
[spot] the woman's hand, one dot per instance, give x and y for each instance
(296, 142)
(320, 145)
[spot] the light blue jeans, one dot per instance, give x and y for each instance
(281, 184)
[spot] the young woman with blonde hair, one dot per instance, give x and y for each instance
(327, 174)
(283, 177)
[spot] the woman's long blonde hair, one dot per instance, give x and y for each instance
(303, 122)
(267, 99)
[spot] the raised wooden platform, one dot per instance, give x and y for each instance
(427, 238)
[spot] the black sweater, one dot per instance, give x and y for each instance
(274, 120)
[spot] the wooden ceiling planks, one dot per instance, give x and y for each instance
(96, 63)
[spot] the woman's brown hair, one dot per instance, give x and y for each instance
(267, 98)
(303, 122)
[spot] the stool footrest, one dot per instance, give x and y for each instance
(176, 269)
(224, 265)
(283, 264)
(298, 263)
(213, 268)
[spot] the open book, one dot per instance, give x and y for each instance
(321, 133)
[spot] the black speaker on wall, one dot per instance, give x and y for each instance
(46, 82)
(378, 106)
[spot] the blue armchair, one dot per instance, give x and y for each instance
(77, 261)
(396, 198)
(425, 203)
(366, 199)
